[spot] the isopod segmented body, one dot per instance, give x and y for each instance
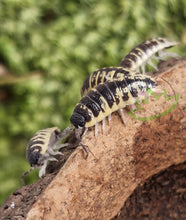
(44, 145)
(101, 75)
(109, 97)
(144, 52)
(136, 58)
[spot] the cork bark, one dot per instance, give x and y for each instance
(123, 157)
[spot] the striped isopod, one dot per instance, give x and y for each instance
(43, 146)
(101, 75)
(138, 57)
(144, 52)
(109, 97)
(106, 74)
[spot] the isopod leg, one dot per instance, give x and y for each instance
(42, 171)
(59, 146)
(109, 119)
(143, 68)
(152, 64)
(52, 152)
(163, 54)
(103, 125)
(122, 116)
(66, 132)
(96, 130)
(78, 133)
(85, 149)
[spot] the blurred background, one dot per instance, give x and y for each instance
(47, 48)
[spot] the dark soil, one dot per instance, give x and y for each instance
(161, 197)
